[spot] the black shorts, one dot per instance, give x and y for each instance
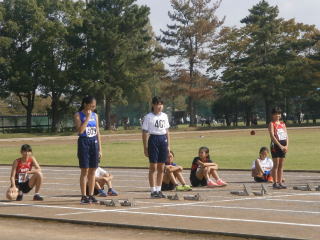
(24, 187)
(196, 182)
(88, 152)
(158, 148)
(276, 152)
(260, 179)
(167, 186)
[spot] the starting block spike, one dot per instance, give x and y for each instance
(108, 203)
(196, 197)
(264, 189)
(126, 203)
(173, 197)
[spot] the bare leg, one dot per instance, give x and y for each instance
(91, 180)
(83, 181)
(203, 173)
(178, 174)
(274, 171)
(160, 169)
(214, 174)
(152, 173)
(280, 169)
(173, 178)
(36, 180)
(166, 178)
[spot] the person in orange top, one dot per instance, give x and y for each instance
(23, 176)
(279, 147)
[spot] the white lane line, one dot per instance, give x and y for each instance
(293, 200)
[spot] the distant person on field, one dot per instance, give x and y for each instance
(279, 147)
(156, 145)
(23, 176)
(203, 169)
(262, 166)
(173, 174)
(102, 178)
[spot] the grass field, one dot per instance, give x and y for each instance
(235, 150)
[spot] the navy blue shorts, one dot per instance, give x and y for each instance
(24, 187)
(158, 148)
(88, 152)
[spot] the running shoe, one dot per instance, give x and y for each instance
(20, 196)
(186, 188)
(211, 184)
(282, 186)
(112, 192)
(270, 179)
(154, 195)
(92, 199)
(37, 197)
(276, 186)
(221, 183)
(102, 193)
(161, 195)
(84, 200)
(179, 188)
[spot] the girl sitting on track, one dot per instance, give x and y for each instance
(261, 167)
(21, 171)
(172, 172)
(201, 170)
(102, 177)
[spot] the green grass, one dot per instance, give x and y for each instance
(228, 149)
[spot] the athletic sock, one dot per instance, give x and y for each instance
(158, 188)
(152, 189)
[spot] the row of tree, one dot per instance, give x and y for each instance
(267, 62)
(64, 49)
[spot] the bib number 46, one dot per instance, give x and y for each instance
(159, 124)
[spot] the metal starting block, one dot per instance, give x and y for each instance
(196, 197)
(263, 191)
(126, 203)
(108, 203)
(173, 197)
(307, 187)
(318, 188)
(246, 191)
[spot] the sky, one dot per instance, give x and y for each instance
(305, 11)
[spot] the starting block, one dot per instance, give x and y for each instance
(126, 203)
(318, 188)
(173, 197)
(263, 191)
(307, 187)
(196, 197)
(108, 203)
(246, 191)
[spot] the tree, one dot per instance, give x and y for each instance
(194, 26)
(21, 24)
(118, 52)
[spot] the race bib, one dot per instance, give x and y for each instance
(281, 134)
(22, 177)
(91, 131)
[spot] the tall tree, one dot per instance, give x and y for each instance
(118, 50)
(21, 25)
(194, 26)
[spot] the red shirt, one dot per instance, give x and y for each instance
(23, 167)
(279, 131)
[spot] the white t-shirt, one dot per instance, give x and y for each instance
(266, 164)
(156, 124)
(100, 172)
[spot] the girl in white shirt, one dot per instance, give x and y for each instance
(261, 167)
(156, 142)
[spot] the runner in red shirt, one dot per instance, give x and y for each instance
(23, 176)
(279, 147)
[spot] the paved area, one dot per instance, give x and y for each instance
(283, 213)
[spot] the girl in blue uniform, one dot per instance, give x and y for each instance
(89, 146)
(156, 147)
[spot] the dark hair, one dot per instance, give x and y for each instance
(263, 149)
(86, 100)
(276, 110)
(26, 148)
(156, 100)
(206, 150)
(172, 153)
